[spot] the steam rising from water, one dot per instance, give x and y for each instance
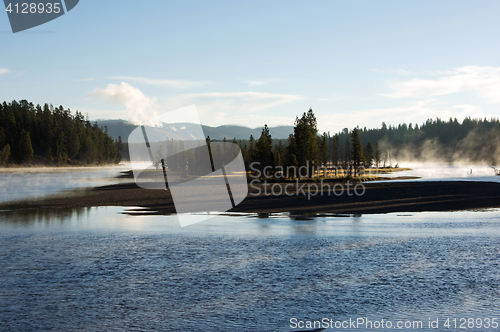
(478, 147)
(33, 183)
(447, 172)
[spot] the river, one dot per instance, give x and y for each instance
(96, 269)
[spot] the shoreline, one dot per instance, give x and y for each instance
(379, 197)
(32, 167)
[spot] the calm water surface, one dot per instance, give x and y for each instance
(96, 270)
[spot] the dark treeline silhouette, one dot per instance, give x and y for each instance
(306, 148)
(44, 134)
(344, 153)
(472, 140)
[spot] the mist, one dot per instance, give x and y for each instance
(472, 142)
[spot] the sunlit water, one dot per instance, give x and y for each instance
(95, 269)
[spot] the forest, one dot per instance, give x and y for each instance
(32, 134)
(44, 135)
(470, 141)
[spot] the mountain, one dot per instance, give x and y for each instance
(123, 128)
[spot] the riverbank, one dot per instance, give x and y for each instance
(376, 198)
(54, 169)
(28, 167)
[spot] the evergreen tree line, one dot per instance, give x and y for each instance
(472, 140)
(45, 133)
(305, 148)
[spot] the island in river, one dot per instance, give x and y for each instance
(356, 198)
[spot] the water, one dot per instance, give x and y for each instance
(28, 184)
(97, 269)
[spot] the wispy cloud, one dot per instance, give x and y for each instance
(244, 108)
(177, 84)
(139, 107)
(247, 102)
(261, 82)
(482, 81)
(215, 108)
(4, 71)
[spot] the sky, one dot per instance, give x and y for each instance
(355, 63)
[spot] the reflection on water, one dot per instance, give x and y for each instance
(97, 269)
(117, 219)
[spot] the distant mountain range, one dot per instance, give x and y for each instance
(123, 128)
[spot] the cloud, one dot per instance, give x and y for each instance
(139, 107)
(177, 84)
(261, 82)
(483, 81)
(215, 108)
(4, 71)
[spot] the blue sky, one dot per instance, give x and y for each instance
(255, 62)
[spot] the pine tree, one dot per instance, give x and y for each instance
(305, 133)
(369, 154)
(292, 161)
(323, 149)
(25, 150)
(279, 162)
(251, 150)
(335, 152)
(291, 152)
(357, 150)
(73, 142)
(2, 137)
(347, 157)
(4, 154)
(244, 153)
(264, 148)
